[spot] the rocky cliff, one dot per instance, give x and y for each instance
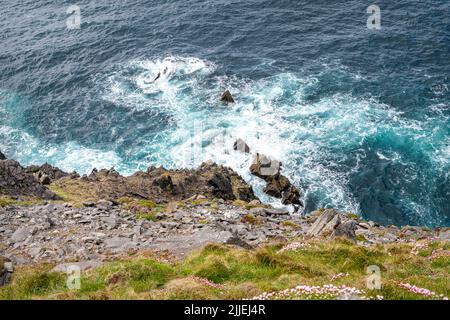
(47, 215)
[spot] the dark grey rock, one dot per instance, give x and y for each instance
(346, 229)
(275, 212)
(22, 234)
(104, 204)
(17, 181)
(89, 204)
(227, 97)
(240, 145)
(264, 167)
(117, 242)
(6, 271)
(326, 222)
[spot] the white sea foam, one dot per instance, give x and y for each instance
(68, 156)
(314, 140)
(271, 115)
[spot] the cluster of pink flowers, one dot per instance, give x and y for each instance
(439, 253)
(206, 282)
(339, 275)
(327, 291)
(421, 291)
(294, 246)
(419, 246)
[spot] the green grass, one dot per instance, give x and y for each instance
(290, 224)
(143, 209)
(238, 273)
(75, 191)
(251, 219)
(351, 215)
(8, 201)
(147, 216)
(248, 205)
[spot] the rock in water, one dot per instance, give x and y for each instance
(240, 145)
(227, 97)
(276, 185)
(264, 167)
(291, 196)
(2, 156)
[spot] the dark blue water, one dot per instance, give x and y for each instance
(359, 117)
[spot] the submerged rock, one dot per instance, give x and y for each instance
(2, 156)
(227, 97)
(240, 145)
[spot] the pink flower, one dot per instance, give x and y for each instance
(294, 246)
(420, 291)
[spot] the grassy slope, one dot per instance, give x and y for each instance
(237, 273)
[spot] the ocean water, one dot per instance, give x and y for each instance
(359, 117)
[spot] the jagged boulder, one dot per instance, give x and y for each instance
(240, 145)
(165, 182)
(17, 181)
(264, 167)
(346, 229)
(291, 196)
(226, 183)
(2, 156)
(326, 222)
(331, 223)
(46, 173)
(227, 97)
(276, 185)
(161, 185)
(222, 186)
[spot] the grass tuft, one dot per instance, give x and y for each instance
(225, 272)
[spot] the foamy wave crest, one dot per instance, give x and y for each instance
(322, 143)
(350, 153)
(69, 156)
(160, 83)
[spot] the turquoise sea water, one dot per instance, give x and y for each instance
(359, 117)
